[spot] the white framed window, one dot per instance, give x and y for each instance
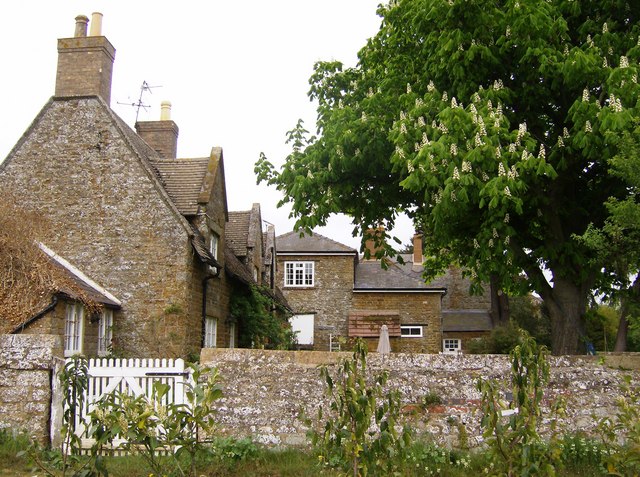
(302, 328)
(451, 345)
(298, 274)
(73, 329)
(411, 331)
(105, 331)
(210, 332)
(213, 244)
(232, 335)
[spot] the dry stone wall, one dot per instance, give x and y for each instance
(26, 362)
(266, 392)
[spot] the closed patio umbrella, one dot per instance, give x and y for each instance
(384, 346)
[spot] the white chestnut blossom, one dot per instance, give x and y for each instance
(587, 127)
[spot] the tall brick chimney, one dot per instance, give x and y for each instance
(161, 135)
(85, 63)
(417, 250)
(373, 236)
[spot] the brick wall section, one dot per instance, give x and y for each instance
(111, 221)
(329, 299)
(265, 391)
(413, 308)
(25, 382)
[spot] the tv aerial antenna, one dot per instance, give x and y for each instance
(144, 88)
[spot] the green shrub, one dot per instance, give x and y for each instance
(360, 430)
(511, 429)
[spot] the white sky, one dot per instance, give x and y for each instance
(236, 73)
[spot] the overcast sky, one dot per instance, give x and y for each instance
(236, 73)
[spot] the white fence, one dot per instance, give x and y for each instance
(131, 376)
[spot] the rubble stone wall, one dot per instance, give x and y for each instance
(26, 363)
(266, 392)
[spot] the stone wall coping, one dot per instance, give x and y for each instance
(30, 352)
(499, 362)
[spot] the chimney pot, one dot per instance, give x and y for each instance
(165, 110)
(81, 26)
(96, 24)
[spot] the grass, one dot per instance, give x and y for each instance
(242, 458)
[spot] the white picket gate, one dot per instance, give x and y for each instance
(132, 376)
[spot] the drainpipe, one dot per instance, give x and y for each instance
(44, 311)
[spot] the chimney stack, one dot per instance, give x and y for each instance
(373, 236)
(161, 135)
(85, 63)
(417, 250)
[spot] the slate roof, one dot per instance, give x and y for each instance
(371, 276)
(291, 242)
(466, 320)
(183, 180)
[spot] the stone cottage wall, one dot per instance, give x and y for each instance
(109, 219)
(26, 362)
(266, 391)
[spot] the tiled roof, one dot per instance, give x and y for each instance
(371, 276)
(466, 320)
(315, 243)
(183, 180)
(236, 232)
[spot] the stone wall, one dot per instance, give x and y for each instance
(266, 391)
(26, 362)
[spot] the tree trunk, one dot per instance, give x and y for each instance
(499, 303)
(623, 326)
(567, 304)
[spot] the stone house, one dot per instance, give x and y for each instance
(148, 228)
(337, 295)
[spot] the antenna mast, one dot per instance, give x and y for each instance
(140, 104)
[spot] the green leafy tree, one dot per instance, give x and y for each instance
(615, 243)
(491, 123)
